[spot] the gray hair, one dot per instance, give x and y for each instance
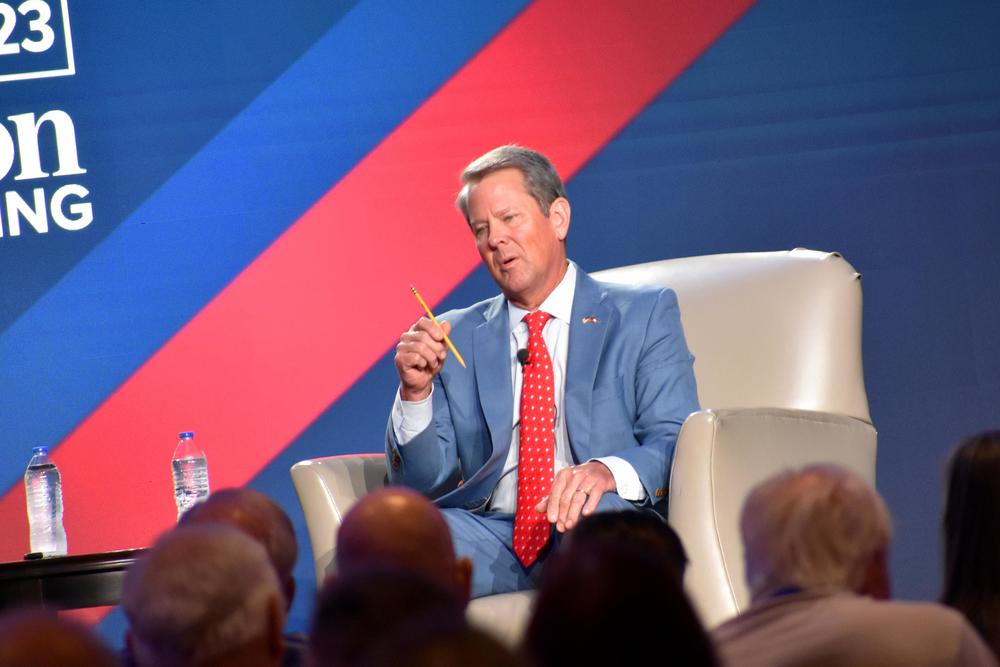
(541, 180)
(201, 591)
(815, 529)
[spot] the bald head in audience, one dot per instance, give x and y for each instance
(204, 596)
(396, 526)
(429, 642)
(368, 607)
(259, 517)
(41, 639)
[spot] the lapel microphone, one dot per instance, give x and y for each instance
(523, 357)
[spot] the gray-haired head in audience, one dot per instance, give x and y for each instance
(816, 529)
(204, 595)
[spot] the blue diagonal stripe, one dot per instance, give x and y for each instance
(79, 342)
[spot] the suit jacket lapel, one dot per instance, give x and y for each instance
(586, 343)
(492, 350)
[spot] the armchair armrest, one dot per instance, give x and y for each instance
(327, 487)
(720, 456)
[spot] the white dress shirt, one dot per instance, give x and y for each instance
(411, 417)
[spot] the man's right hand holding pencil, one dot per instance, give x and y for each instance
(420, 354)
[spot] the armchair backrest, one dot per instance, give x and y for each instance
(778, 329)
(777, 344)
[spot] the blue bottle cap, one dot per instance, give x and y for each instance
(40, 450)
(186, 434)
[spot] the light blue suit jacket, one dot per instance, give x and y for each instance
(629, 387)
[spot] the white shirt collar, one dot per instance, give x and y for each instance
(558, 304)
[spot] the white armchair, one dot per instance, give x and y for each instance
(777, 344)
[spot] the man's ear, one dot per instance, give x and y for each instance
(135, 649)
(876, 582)
(275, 630)
(559, 214)
(289, 592)
(463, 578)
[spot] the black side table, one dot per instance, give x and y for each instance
(66, 582)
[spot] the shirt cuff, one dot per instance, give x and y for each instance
(627, 484)
(410, 418)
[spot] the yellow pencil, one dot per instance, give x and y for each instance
(447, 340)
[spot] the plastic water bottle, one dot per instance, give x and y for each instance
(43, 489)
(190, 469)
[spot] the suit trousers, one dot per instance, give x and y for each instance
(486, 538)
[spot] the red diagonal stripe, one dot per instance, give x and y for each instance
(294, 330)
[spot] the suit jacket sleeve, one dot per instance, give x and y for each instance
(428, 462)
(641, 421)
(666, 392)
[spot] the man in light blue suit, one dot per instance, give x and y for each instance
(622, 381)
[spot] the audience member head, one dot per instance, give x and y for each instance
(396, 526)
(972, 534)
(821, 529)
(41, 639)
(428, 644)
(606, 603)
(259, 517)
(361, 609)
(541, 180)
(645, 531)
(204, 595)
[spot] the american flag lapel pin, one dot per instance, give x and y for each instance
(589, 319)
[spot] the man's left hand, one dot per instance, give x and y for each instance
(576, 490)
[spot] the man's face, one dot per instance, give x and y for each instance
(522, 248)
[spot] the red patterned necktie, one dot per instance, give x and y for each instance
(537, 444)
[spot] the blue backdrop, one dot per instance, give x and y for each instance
(867, 127)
